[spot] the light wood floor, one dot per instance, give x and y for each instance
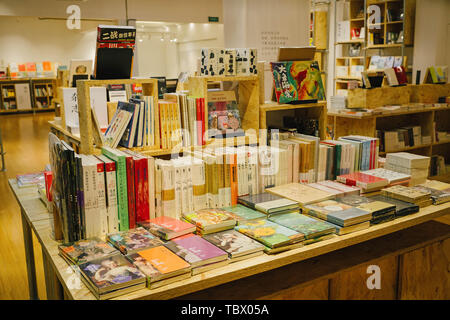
(25, 143)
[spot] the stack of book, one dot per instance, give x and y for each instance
(199, 253)
(367, 183)
(400, 138)
(420, 197)
(167, 227)
(333, 187)
(160, 266)
(133, 240)
(243, 214)
(402, 208)
(412, 164)
(269, 203)
(210, 220)
(313, 229)
(380, 211)
(300, 193)
(344, 218)
(275, 237)
(82, 251)
(237, 245)
(437, 196)
(393, 178)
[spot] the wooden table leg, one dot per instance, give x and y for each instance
(29, 257)
(52, 285)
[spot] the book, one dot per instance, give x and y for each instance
(155, 278)
(353, 228)
(300, 193)
(223, 115)
(408, 160)
(268, 203)
(337, 212)
(30, 179)
(311, 228)
(269, 233)
(210, 219)
(117, 126)
(366, 182)
(111, 275)
(402, 208)
(389, 175)
(378, 209)
(133, 240)
(166, 263)
(235, 244)
(82, 251)
(206, 251)
(348, 190)
(243, 214)
(407, 194)
(437, 196)
(167, 227)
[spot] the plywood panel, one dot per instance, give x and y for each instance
(347, 126)
(316, 291)
(377, 97)
(425, 272)
(352, 285)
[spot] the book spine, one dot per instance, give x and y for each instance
(131, 192)
(102, 227)
(199, 186)
(158, 191)
(111, 185)
(233, 179)
(151, 187)
(80, 197)
(199, 121)
(90, 199)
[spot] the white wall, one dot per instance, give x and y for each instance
(27, 39)
(246, 23)
(432, 35)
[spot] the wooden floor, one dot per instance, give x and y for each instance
(25, 143)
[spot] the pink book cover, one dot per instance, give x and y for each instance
(200, 247)
(172, 224)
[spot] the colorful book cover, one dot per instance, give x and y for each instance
(200, 247)
(132, 240)
(362, 180)
(164, 260)
(353, 200)
(190, 257)
(242, 213)
(269, 233)
(166, 226)
(83, 251)
(234, 243)
(377, 208)
(223, 115)
(310, 227)
(337, 213)
(297, 80)
(209, 218)
(108, 273)
(145, 267)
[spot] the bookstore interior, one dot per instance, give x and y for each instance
(218, 150)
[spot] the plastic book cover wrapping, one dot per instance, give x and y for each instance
(132, 240)
(83, 251)
(234, 243)
(310, 227)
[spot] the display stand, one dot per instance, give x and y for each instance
(325, 269)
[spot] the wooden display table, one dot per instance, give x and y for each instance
(319, 270)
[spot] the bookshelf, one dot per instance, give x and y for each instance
(377, 36)
(43, 92)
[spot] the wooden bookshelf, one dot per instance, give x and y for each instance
(43, 91)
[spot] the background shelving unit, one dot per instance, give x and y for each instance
(43, 92)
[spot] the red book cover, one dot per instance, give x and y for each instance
(131, 192)
(137, 188)
(203, 120)
(145, 188)
(362, 180)
(48, 178)
(400, 73)
(233, 179)
(199, 121)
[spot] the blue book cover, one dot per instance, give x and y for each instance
(128, 136)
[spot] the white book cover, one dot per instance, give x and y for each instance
(101, 194)
(98, 104)
(23, 97)
(111, 194)
(199, 184)
(151, 186)
(140, 130)
(70, 102)
(91, 215)
(168, 201)
(190, 185)
(158, 186)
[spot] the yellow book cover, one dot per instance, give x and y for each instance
(301, 193)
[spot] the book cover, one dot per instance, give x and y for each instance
(132, 240)
(234, 243)
(300, 193)
(166, 227)
(267, 202)
(111, 273)
(362, 180)
(297, 80)
(210, 218)
(164, 260)
(377, 208)
(82, 251)
(310, 227)
(190, 257)
(337, 213)
(242, 213)
(402, 208)
(269, 233)
(201, 248)
(223, 115)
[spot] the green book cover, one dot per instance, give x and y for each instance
(338, 159)
(269, 233)
(121, 178)
(242, 213)
(310, 227)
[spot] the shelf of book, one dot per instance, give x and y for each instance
(248, 96)
(308, 110)
(59, 275)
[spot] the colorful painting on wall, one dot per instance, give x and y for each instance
(297, 81)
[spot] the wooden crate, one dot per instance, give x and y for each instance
(248, 98)
(378, 97)
(149, 88)
(429, 93)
